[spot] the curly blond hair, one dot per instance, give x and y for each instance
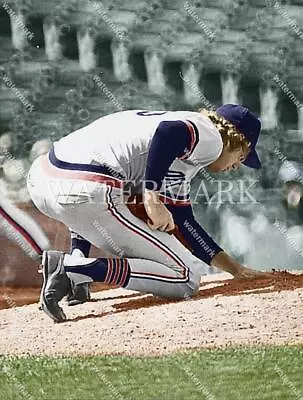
(231, 137)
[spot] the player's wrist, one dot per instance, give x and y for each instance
(151, 196)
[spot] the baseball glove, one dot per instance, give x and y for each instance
(136, 207)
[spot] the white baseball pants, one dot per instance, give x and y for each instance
(94, 207)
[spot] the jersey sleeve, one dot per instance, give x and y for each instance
(175, 188)
(204, 247)
(193, 140)
(171, 140)
(205, 144)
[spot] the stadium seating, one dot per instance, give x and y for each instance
(74, 61)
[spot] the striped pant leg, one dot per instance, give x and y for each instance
(159, 263)
(131, 273)
(156, 278)
(19, 227)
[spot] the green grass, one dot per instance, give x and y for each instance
(235, 373)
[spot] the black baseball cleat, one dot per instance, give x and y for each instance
(78, 294)
(56, 284)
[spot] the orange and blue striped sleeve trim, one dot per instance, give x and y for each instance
(194, 139)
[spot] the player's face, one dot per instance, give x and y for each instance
(227, 161)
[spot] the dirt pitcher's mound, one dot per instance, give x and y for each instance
(16, 296)
(231, 287)
(224, 312)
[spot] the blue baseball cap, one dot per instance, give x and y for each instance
(247, 123)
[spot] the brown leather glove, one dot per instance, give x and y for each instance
(136, 207)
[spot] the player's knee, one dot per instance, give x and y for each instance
(196, 285)
(193, 287)
(189, 288)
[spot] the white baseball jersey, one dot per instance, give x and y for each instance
(121, 141)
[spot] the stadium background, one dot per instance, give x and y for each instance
(64, 64)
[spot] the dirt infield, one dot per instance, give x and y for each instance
(230, 287)
(24, 296)
(225, 312)
(280, 281)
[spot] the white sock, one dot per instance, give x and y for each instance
(77, 253)
(72, 260)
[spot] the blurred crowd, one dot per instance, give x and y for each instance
(267, 233)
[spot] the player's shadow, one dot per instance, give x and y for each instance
(226, 287)
(129, 305)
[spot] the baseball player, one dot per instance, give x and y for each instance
(16, 225)
(91, 176)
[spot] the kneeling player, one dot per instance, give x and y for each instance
(88, 177)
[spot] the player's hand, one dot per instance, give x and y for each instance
(159, 216)
(248, 273)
